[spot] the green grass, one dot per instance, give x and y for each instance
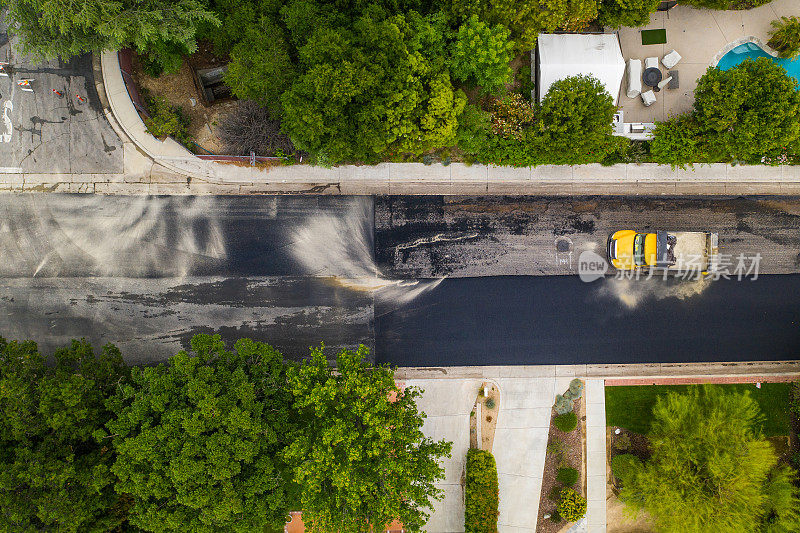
(630, 407)
(654, 37)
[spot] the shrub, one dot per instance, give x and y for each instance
(511, 115)
(166, 120)
(566, 422)
(576, 388)
(617, 13)
(726, 4)
(555, 517)
(794, 399)
(555, 493)
(675, 142)
(481, 55)
(785, 37)
(572, 505)
(621, 442)
(623, 465)
(568, 476)
(490, 403)
(563, 405)
(251, 127)
(481, 497)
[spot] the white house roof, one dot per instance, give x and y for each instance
(565, 55)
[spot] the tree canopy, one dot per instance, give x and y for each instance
(55, 468)
(747, 112)
(199, 440)
(618, 13)
(380, 86)
(481, 55)
(62, 28)
(362, 459)
(709, 470)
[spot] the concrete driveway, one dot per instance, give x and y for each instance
(42, 132)
(526, 396)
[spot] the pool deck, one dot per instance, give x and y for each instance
(698, 35)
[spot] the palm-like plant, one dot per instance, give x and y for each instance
(785, 37)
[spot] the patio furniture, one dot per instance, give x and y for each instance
(663, 83)
(648, 98)
(675, 83)
(634, 78)
(654, 37)
(651, 77)
(650, 62)
(671, 59)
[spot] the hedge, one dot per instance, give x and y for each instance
(481, 499)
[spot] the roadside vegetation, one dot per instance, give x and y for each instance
(365, 82)
(562, 497)
(480, 493)
(213, 440)
(704, 462)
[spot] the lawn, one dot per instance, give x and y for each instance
(630, 407)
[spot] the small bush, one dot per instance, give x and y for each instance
(576, 388)
(555, 517)
(251, 127)
(572, 505)
(555, 493)
(490, 403)
(563, 405)
(623, 465)
(568, 476)
(166, 120)
(481, 497)
(566, 422)
(621, 442)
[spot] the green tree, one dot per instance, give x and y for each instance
(575, 120)
(618, 13)
(527, 18)
(199, 440)
(260, 68)
(481, 55)
(380, 86)
(785, 36)
(361, 459)
(748, 112)
(63, 28)
(54, 473)
(709, 470)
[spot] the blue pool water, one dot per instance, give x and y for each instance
(751, 50)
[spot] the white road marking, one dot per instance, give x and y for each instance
(7, 108)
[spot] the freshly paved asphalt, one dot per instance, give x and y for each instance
(148, 272)
(51, 133)
(561, 320)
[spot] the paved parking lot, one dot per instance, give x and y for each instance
(44, 132)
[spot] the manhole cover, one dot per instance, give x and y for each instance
(563, 245)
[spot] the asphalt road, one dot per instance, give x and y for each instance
(561, 320)
(147, 273)
(42, 132)
(436, 236)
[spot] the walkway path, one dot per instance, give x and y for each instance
(595, 455)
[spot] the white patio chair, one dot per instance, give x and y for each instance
(648, 98)
(634, 78)
(663, 83)
(651, 62)
(671, 59)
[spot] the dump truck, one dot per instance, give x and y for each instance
(677, 251)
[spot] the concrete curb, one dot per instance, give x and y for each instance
(643, 370)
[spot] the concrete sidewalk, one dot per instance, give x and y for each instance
(155, 167)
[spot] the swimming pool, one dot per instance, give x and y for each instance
(752, 50)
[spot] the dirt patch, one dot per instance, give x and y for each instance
(618, 521)
(569, 453)
(179, 90)
(489, 408)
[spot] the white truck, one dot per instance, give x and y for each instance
(679, 251)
